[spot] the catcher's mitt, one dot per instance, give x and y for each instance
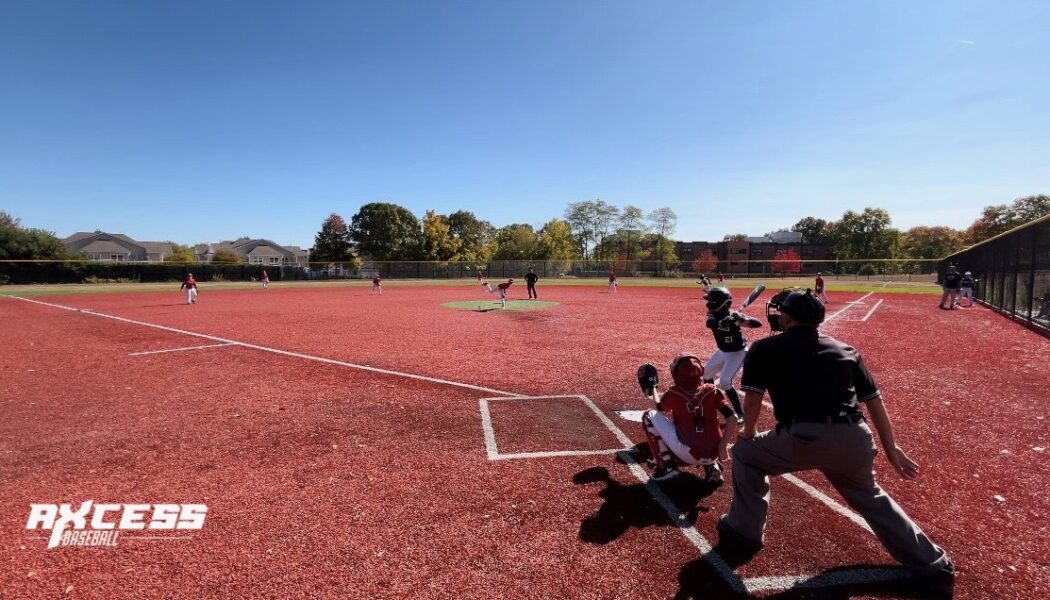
(648, 378)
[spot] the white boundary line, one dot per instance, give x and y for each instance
(872, 310)
(179, 349)
(687, 528)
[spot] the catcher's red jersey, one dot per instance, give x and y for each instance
(695, 417)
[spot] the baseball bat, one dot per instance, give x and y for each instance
(755, 293)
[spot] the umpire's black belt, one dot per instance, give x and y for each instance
(830, 420)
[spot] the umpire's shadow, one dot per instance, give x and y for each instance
(631, 505)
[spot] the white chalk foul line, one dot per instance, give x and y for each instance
(843, 577)
(180, 349)
(872, 310)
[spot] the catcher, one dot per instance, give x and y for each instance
(684, 427)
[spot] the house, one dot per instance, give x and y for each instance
(255, 252)
(116, 247)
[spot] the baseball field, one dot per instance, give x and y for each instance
(421, 444)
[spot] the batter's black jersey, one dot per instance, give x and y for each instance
(952, 280)
(728, 335)
(967, 282)
(808, 375)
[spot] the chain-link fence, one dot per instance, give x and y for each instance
(1012, 272)
(27, 272)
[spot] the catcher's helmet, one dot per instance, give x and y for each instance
(718, 299)
(803, 307)
(679, 360)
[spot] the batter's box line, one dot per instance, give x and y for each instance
(492, 450)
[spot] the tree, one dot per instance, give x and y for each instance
(27, 243)
(930, 242)
(995, 220)
(556, 241)
(813, 230)
(580, 217)
(225, 256)
(663, 221)
(475, 237)
(605, 216)
(864, 235)
(735, 237)
(631, 220)
(787, 260)
(180, 254)
(332, 243)
(438, 244)
(657, 247)
(705, 262)
(517, 242)
(386, 231)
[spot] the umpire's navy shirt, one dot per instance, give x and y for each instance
(808, 375)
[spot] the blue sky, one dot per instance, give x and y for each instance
(200, 121)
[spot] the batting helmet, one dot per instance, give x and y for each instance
(803, 307)
(718, 299)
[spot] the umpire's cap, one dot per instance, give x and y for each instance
(803, 307)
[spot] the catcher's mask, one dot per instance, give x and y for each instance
(686, 379)
(803, 307)
(718, 300)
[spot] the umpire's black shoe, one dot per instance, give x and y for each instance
(729, 537)
(940, 585)
(648, 378)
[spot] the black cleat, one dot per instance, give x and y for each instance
(648, 378)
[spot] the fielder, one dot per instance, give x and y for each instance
(818, 291)
(377, 285)
(732, 346)
(190, 285)
(684, 427)
(704, 283)
(265, 279)
(612, 282)
(501, 289)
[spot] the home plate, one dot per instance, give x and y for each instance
(635, 416)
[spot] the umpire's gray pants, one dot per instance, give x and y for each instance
(845, 454)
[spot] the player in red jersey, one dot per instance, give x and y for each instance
(190, 285)
(684, 428)
(265, 279)
(818, 290)
(377, 285)
(612, 282)
(501, 289)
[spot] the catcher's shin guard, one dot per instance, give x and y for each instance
(661, 453)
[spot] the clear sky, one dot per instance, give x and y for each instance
(201, 121)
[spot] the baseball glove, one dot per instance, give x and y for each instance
(648, 378)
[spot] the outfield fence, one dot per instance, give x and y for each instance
(82, 271)
(1012, 271)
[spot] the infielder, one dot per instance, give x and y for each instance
(265, 279)
(377, 285)
(818, 290)
(732, 347)
(190, 285)
(612, 282)
(684, 427)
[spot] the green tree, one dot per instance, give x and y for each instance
(631, 221)
(864, 235)
(180, 254)
(580, 217)
(556, 241)
(386, 231)
(735, 237)
(930, 242)
(332, 243)
(813, 230)
(27, 243)
(437, 243)
(225, 256)
(663, 222)
(517, 242)
(998, 219)
(475, 237)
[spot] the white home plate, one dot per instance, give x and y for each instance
(635, 416)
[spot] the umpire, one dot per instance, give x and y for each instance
(530, 283)
(816, 384)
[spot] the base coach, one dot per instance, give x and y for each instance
(817, 384)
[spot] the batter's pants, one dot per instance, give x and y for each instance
(724, 365)
(845, 454)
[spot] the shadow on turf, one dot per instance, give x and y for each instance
(627, 506)
(698, 579)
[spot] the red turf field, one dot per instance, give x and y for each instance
(326, 480)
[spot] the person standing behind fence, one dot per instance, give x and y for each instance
(819, 289)
(377, 285)
(951, 283)
(965, 289)
(816, 385)
(612, 282)
(190, 285)
(530, 283)
(265, 279)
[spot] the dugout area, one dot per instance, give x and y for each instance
(327, 478)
